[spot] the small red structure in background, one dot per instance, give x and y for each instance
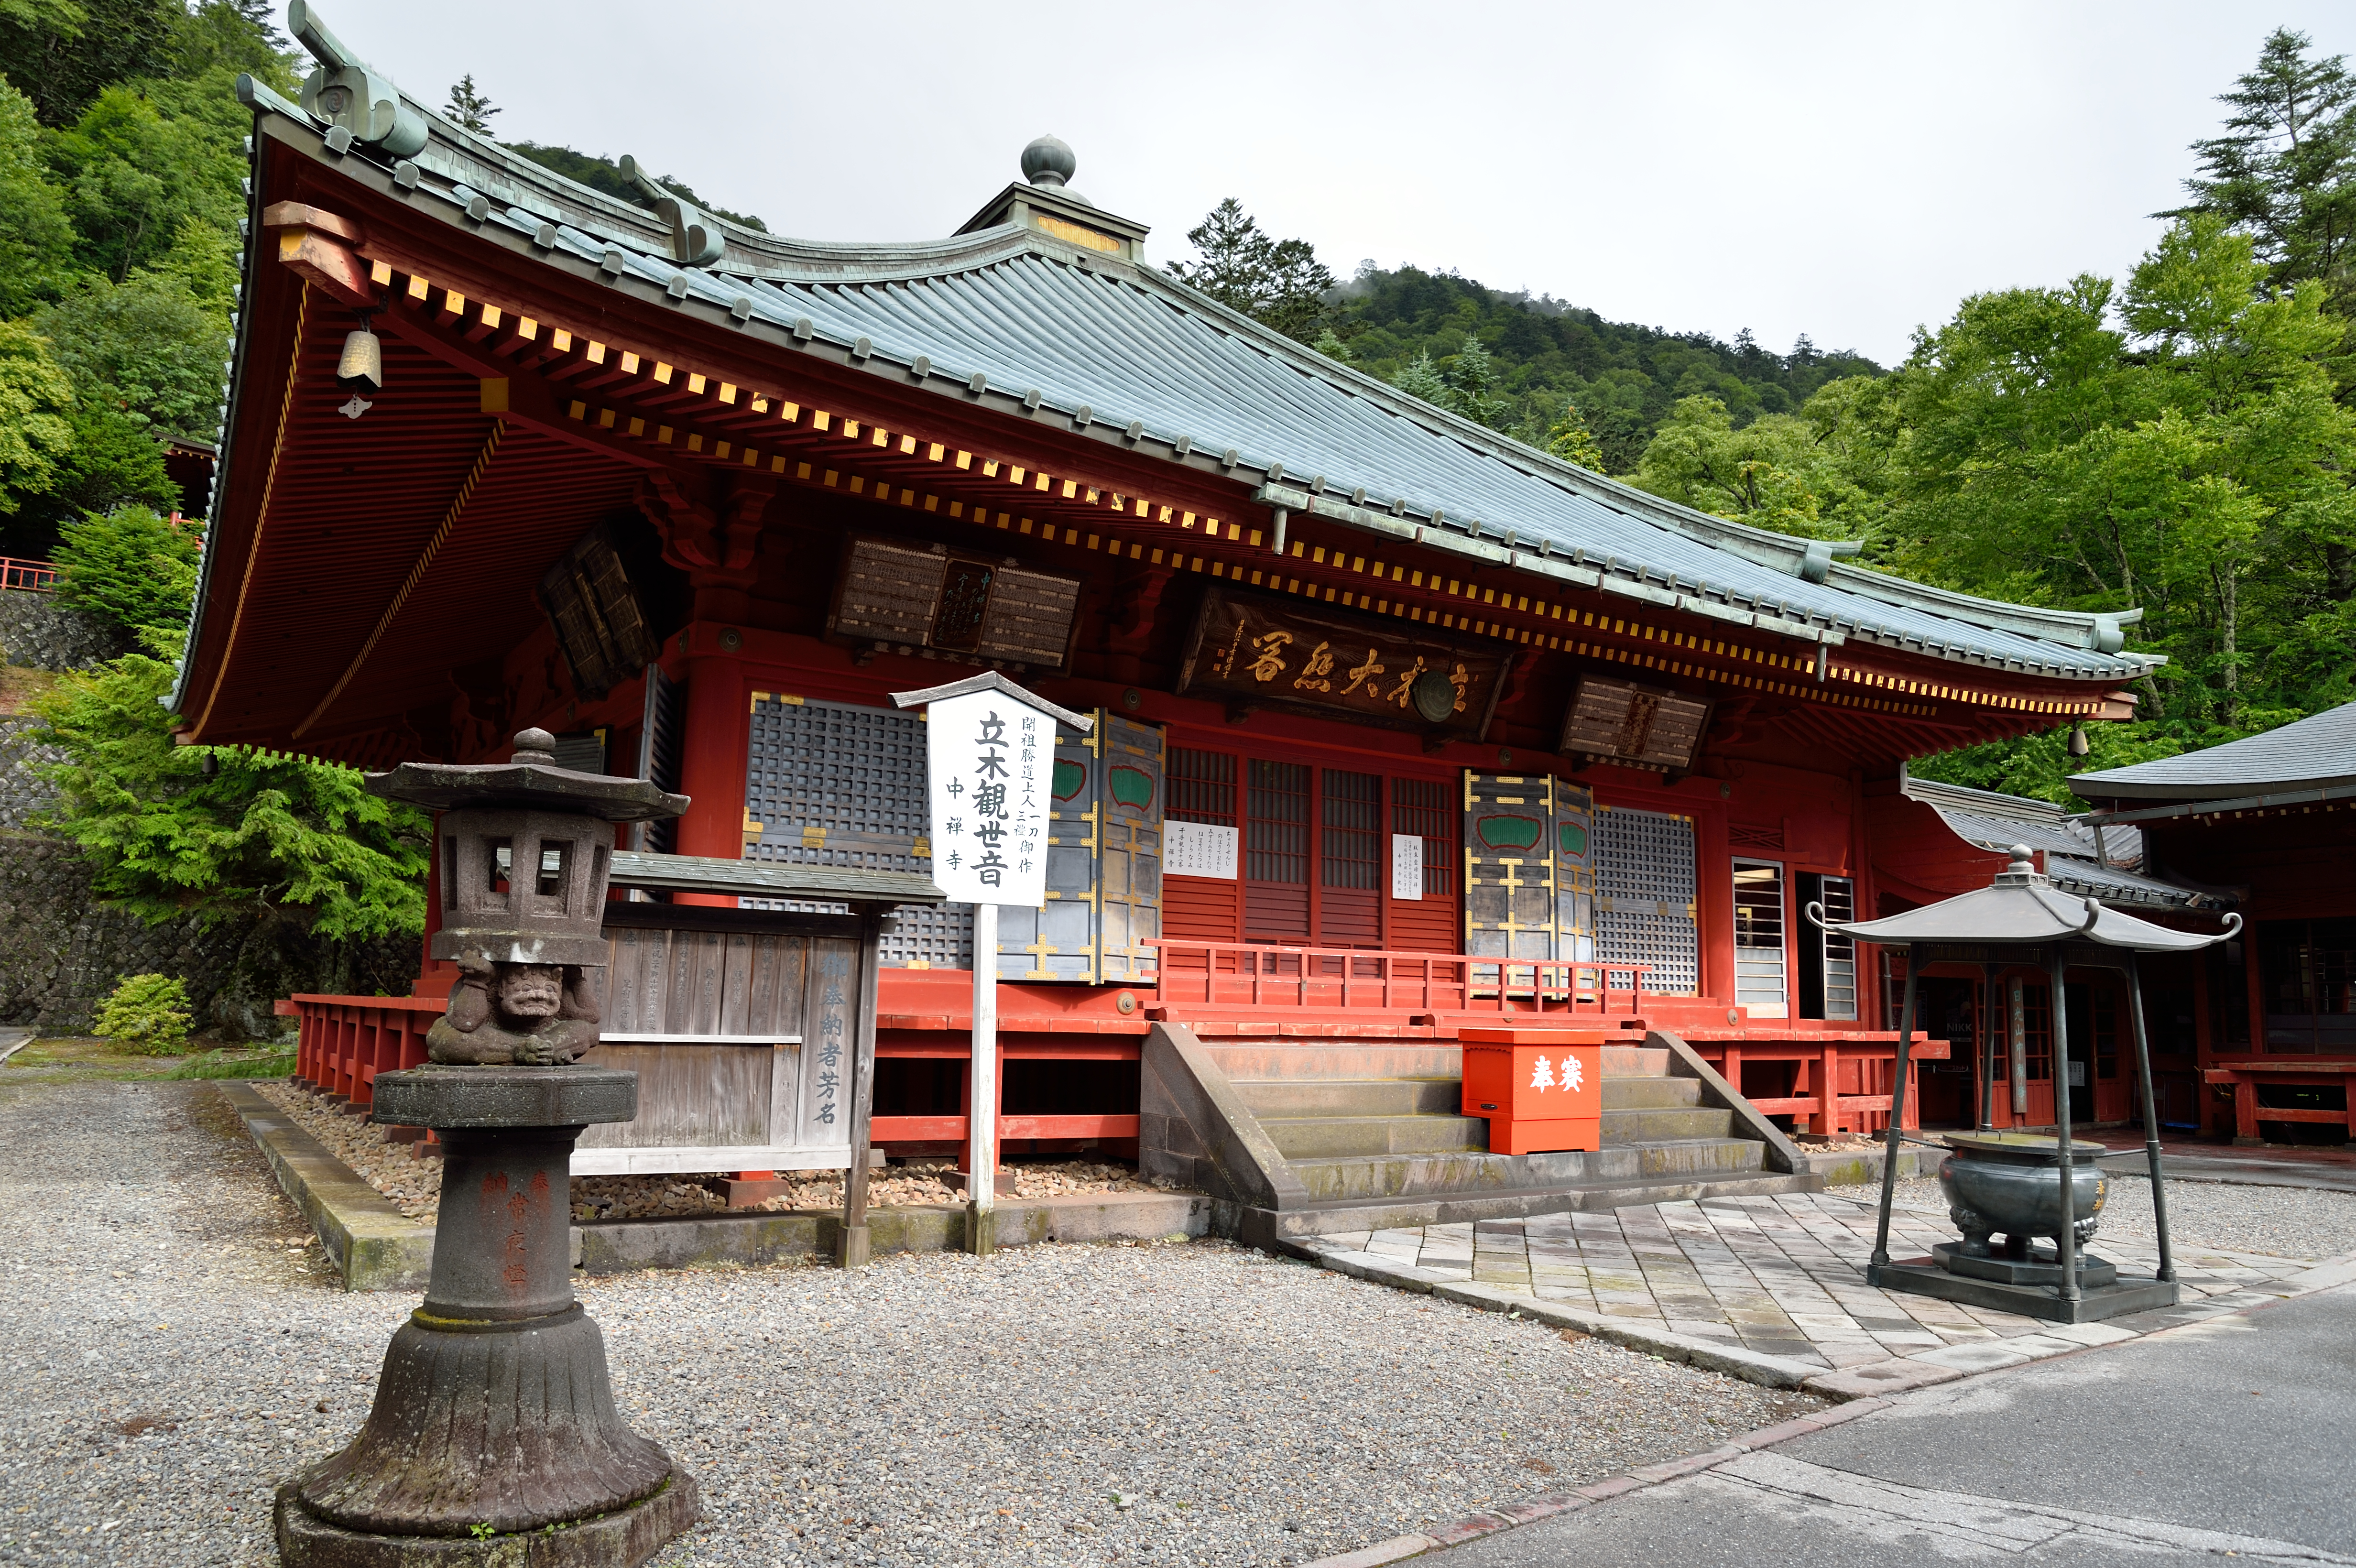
(40, 576)
(1541, 1090)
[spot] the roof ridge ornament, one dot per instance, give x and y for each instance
(695, 241)
(1049, 162)
(347, 93)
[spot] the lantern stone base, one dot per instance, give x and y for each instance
(622, 1539)
(494, 1439)
(2128, 1293)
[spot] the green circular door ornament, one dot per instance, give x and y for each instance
(1434, 696)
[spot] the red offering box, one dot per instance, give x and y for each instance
(1540, 1089)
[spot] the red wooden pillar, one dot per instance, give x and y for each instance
(711, 764)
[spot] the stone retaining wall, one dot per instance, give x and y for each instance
(62, 951)
(39, 631)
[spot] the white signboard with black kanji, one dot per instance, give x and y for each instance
(1407, 866)
(1198, 849)
(990, 758)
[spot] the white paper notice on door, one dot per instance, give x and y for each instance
(1407, 866)
(1198, 849)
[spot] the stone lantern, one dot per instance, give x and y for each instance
(494, 1438)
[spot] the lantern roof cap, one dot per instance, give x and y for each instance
(530, 779)
(2021, 906)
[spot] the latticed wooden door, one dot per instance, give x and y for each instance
(1644, 896)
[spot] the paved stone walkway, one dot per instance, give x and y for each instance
(1781, 1276)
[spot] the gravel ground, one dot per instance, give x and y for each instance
(2233, 1217)
(414, 1185)
(171, 1357)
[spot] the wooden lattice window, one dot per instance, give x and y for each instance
(1202, 786)
(1276, 840)
(1352, 844)
(1427, 810)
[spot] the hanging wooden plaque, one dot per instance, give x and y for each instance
(1643, 726)
(600, 625)
(990, 612)
(1338, 666)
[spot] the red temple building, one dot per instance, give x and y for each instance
(1403, 726)
(2269, 1022)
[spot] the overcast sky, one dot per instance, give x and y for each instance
(1845, 171)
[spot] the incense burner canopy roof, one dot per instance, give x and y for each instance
(2022, 907)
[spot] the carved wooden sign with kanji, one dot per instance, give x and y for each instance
(1338, 666)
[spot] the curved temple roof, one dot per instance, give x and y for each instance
(2021, 907)
(2316, 752)
(1015, 318)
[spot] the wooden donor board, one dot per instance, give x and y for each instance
(600, 625)
(1644, 726)
(742, 1045)
(1529, 876)
(915, 596)
(1338, 666)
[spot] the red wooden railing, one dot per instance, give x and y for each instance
(347, 1040)
(1252, 974)
(1841, 1083)
(40, 576)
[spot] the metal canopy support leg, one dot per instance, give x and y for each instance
(2066, 1243)
(1897, 1115)
(2150, 1117)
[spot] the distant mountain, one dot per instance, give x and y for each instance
(1623, 377)
(605, 175)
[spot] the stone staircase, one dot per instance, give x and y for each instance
(1365, 1133)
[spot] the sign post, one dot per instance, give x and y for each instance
(989, 749)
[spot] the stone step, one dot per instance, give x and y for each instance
(1355, 1060)
(1649, 1094)
(1260, 1060)
(1314, 1138)
(1359, 1178)
(1458, 1208)
(1651, 1123)
(1352, 1097)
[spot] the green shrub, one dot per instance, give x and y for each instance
(147, 1013)
(131, 566)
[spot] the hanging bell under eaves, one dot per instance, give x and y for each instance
(361, 368)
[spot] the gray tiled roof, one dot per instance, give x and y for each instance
(2112, 872)
(2316, 752)
(1129, 354)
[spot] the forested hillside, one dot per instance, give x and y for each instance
(121, 160)
(2179, 439)
(1624, 378)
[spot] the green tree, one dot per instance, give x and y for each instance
(223, 832)
(1419, 378)
(37, 410)
(35, 241)
(2285, 170)
(1569, 439)
(1473, 384)
(1770, 473)
(137, 570)
(1277, 283)
(146, 346)
(469, 109)
(63, 53)
(143, 158)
